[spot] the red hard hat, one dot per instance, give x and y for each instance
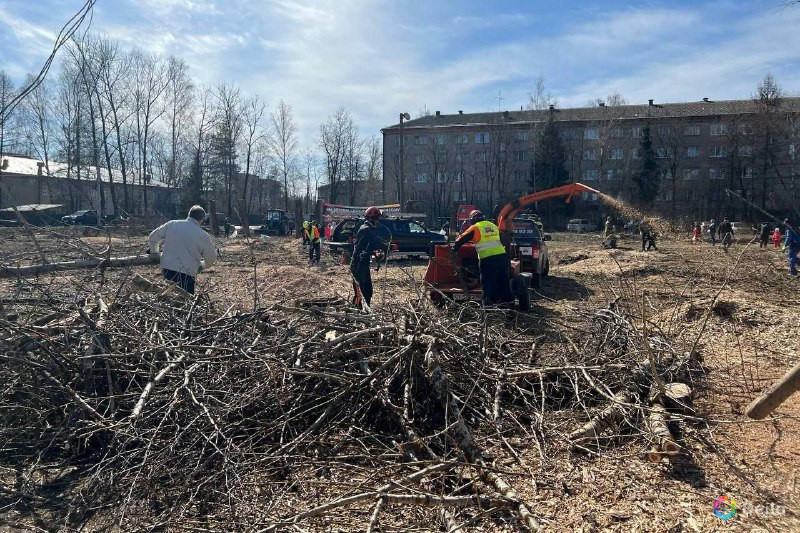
(373, 212)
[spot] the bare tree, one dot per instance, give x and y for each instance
(36, 111)
(333, 142)
(252, 114)
(180, 97)
(229, 130)
(283, 142)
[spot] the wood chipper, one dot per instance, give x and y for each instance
(460, 281)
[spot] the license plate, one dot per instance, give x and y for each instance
(526, 250)
(461, 296)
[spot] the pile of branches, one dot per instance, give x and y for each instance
(154, 409)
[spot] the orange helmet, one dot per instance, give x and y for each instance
(373, 213)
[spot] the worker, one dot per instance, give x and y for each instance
(368, 241)
(792, 244)
(305, 232)
(314, 244)
(726, 234)
(776, 237)
(696, 233)
(608, 229)
(492, 257)
(712, 230)
(763, 235)
(187, 248)
(644, 231)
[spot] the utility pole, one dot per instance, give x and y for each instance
(401, 193)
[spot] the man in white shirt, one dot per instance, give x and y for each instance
(187, 248)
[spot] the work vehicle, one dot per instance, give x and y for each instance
(579, 225)
(532, 249)
(410, 236)
(86, 217)
(460, 279)
(275, 223)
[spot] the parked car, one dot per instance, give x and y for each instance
(411, 237)
(579, 225)
(533, 256)
(86, 217)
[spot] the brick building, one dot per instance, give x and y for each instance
(702, 149)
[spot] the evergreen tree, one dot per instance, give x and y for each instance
(647, 178)
(193, 187)
(549, 166)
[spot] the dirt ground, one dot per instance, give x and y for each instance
(750, 340)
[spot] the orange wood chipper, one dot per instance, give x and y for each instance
(460, 281)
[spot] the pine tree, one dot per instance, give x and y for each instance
(193, 186)
(647, 178)
(549, 166)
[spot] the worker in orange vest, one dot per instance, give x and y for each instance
(312, 232)
(492, 257)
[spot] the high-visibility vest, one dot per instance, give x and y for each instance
(312, 233)
(486, 236)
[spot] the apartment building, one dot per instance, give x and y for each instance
(702, 149)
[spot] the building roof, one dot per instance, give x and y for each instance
(28, 166)
(702, 108)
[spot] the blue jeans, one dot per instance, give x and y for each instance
(184, 281)
(791, 256)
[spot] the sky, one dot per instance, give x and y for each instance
(378, 58)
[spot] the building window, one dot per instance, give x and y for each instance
(459, 196)
(692, 129)
(521, 136)
(519, 175)
(664, 130)
(610, 174)
(617, 154)
(480, 157)
(480, 196)
(482, 138)
(719, 129)
(590, 133)
(420, 140)
(521, 155)
(792, 150)
(691, 173)
(590, 155)
(636, 132)
(460, 157)
(665, 174)
(567, 134)
(459, 177)
(590, 174)
(636, 153)
(718, 151)
(441, 177)
(397, 140)
(746, 129)
(747, 173)
(440, 139)
(462, 139)
(617, 133)
(745, 151)
(420, 159)
(662, 153)
(693, 151)
(421, 177)
(717, 173)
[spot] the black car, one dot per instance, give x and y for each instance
(85, 217)
(528, 244)
(411, 237)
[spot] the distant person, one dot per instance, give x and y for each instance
(446, 228)
(763, 235)
(792, 243)
(227, 226)
(644, 231)
(696, 233)
(651, 241)
(776, 237)
(609, 228)
(314, 243)
(712, 230)
(305, 232)
(726, 234)
(290, 228)
(187, 248)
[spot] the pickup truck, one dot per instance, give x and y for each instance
(410, 237)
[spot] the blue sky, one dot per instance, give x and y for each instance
(380, 57)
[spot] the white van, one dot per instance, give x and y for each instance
(579, 225)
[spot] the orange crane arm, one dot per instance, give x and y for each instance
(512, 209)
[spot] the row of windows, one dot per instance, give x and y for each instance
(593, 174)
(519, 155)
(691, 152)
(638, 131)
(458, 177)
(482, 137)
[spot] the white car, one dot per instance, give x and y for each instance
(579, 225)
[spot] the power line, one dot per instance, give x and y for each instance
(64, 35)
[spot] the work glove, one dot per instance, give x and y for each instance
(199, 269)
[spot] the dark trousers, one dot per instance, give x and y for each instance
(496, 280)
(363, 277)
(651, 243)
(184, 281)
(313, 252)
(644, 240)
(763, 240)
